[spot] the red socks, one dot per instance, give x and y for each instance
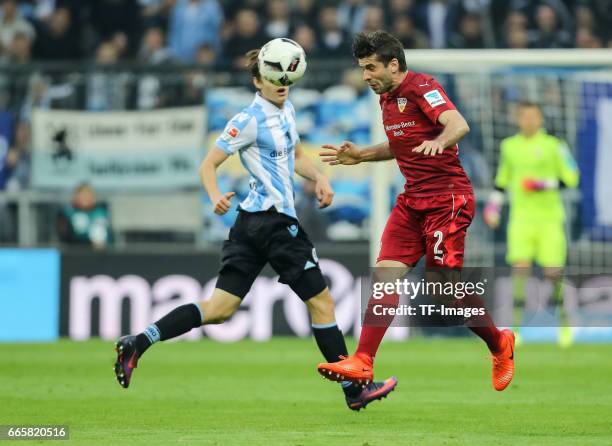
(375, 324)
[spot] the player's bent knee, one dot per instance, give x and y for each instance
(321, 306)
(553, 273)
(309, 285)
(220, 307)
(521, 268)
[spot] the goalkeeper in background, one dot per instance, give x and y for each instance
(533, 166)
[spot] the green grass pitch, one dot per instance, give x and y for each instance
(207, 393)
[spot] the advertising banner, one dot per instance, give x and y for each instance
(160, 148)
(29, 295)
(111, 294)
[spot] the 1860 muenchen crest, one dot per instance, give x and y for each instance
(401, 104)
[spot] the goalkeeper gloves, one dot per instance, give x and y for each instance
(533, 185)
(492, 210)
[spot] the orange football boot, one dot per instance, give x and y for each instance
(357, 368)
(503, 362)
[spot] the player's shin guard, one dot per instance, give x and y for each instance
(179, 321)
(375, 323)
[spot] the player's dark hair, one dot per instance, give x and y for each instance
(529, 104)
(386, 47)
(252, 64)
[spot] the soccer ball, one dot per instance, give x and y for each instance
(282, 62)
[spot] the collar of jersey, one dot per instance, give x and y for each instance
(536, 135)
(268, 106)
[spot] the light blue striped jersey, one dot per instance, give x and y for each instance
(265, 137)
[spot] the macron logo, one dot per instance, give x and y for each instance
(309, 265)
(293, 230)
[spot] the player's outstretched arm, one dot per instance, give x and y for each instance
(208, 175)
(305, 168)
(455, 128)
(349, 154)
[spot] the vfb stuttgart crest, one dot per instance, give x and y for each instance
(401, 104)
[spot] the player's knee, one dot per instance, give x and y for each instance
(220, 307)
(553, 273)
(223, 314)
(522, 268)
(321, 305)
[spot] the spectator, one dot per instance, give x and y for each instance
(18, 159)
(39, 10)
(374, 19)
(351, 15)
(517, 38)
(305, 12)
(516, 20)
(403, 28)
(548, 33)
(206, 56)
(155, 13)
(333, 41)
(435, 14)
(153, 50)
(305, 36)
(120, 42)
(194, 23)
(106, 90)
(277, 22)
(85, 221)
(11, 24)
(470, 34)
(399, 8)
(586, 39)
(20, 50)
(585, 18)
(246, 36)
(109, 18)
(57, 41)
(601, 14)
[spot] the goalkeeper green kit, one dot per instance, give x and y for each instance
(531, 169)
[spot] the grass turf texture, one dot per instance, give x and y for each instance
(206, 393)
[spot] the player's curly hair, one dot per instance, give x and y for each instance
(386, 47)
(252, 64)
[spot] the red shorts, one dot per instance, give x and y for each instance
(433, 226)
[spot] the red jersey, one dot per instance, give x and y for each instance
(410, 116)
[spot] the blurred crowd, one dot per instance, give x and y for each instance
(215, 34)
(219, 32)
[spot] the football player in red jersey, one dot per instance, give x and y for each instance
(430, 218)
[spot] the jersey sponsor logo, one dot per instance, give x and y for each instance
(434, 98)
(397, 128)
(279, 153)
(293, 230)
(401, 104)
(400, 125)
